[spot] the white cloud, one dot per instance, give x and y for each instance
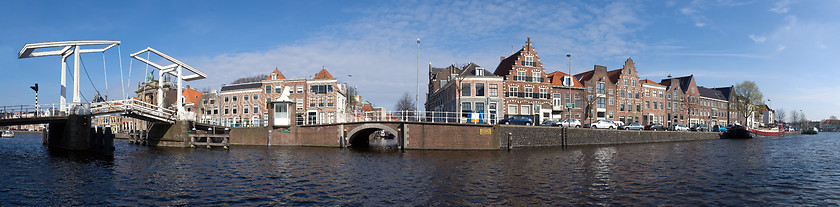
(380, 48)
(781, 7)
(780, 48)
(758, 39)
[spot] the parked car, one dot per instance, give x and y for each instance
(550, 122)
(618, 123)
(678, 127)
(632, 126)
(656, 127)
(573, 123)
(700, 128)
(602, 124)
(718, 128)
(518, 120)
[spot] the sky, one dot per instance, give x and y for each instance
(788, 48)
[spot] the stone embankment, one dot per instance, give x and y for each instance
(524, 136)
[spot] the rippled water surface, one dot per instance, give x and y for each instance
(794, 170)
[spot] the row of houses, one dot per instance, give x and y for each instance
(521, 86)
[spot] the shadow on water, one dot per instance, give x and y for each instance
(79, 156)
(377, 145)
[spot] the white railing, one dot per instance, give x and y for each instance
(29, 111)
(409, 116)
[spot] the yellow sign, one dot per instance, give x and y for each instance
(485, 131)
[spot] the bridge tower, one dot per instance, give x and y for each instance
(69, 48)
(175, 69)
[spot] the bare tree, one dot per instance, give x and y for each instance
(251, 79)
(794, 116)
(404, 107)
(780, 115)
(832, 117)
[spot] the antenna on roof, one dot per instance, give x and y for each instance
(669, 75)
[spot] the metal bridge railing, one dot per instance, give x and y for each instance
(29, 111)
(408, 116)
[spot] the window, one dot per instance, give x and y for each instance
(622, 93)
(625, 82)
(536, 76)
(226, 99)
(321, 89)
(278, 89)
(268, 89)
(227, 110)
(299, 104)
(601, 86)
(479, 89)
(212, 101)
(465, 89)
(622, 106)
(612, 115)
(589, 89)
(568, 98)
(529, 61)
(601, 103)
(321, 102)
(529, 92)
(216, 110)
(629, 107)
(312, 101)
(567, 80)
(479, 107)
(234, 110)
(267, 103)
(577, 101)
(634, 82)
(274, 76)
(330, 101)
(494, 90)
(611, 91)
(647, 104)
(520, 76)
(234, 98)
(661, 105)
(526, 110)
(647, 92)
(638, 107)
(245, 98)
(514, 91)
(611, 101)
(655, 106)
(479, 72)
(629, 94)
(300, 89)
(637, 95)
(512, 109)
(245, 108)
(466, 107)
(557, 101)
(544, 93)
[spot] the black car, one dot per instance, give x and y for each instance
(656, 127)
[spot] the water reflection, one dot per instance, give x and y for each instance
(790, 171)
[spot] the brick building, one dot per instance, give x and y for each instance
(471, 90)
(565, 89)
(241, 105)
(654, 111)
(208, 108)
(526, 90)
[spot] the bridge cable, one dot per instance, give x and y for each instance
(147, 65)
(122, 83)
(105, 72)
(88, 76)
(129, 69)
(71, 77)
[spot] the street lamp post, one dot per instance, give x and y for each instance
(569, 84)
(35, 88)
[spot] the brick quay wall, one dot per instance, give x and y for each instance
(459, 136)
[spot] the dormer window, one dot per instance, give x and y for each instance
(478, 72)
(274, 76)
(567, 80)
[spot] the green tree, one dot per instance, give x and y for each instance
(748, 99)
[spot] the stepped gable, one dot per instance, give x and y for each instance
(650, 82)
(507, 63)
(323, 74)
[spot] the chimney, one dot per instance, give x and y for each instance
(502, 58)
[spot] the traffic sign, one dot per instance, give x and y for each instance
(570, 105)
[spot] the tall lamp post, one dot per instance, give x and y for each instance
(347, 110)
(569, 84)
(417, 79)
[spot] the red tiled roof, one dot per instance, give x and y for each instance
(367, 107)
(279, 75)
(323, 74)
(556, 79)
(650, 82)
(191, 95)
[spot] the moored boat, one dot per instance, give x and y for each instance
(7, 134)
(810, 131)
(741, 132)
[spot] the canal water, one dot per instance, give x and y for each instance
(794, 170)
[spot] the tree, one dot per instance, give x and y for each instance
(250, 79)
(780, 115)
(794, 116)
(405, 107)
(832, 117)
(748, 99)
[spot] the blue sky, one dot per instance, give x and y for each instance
(788, 48)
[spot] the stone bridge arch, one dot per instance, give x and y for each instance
(362, 134)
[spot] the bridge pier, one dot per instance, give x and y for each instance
(75, 134)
